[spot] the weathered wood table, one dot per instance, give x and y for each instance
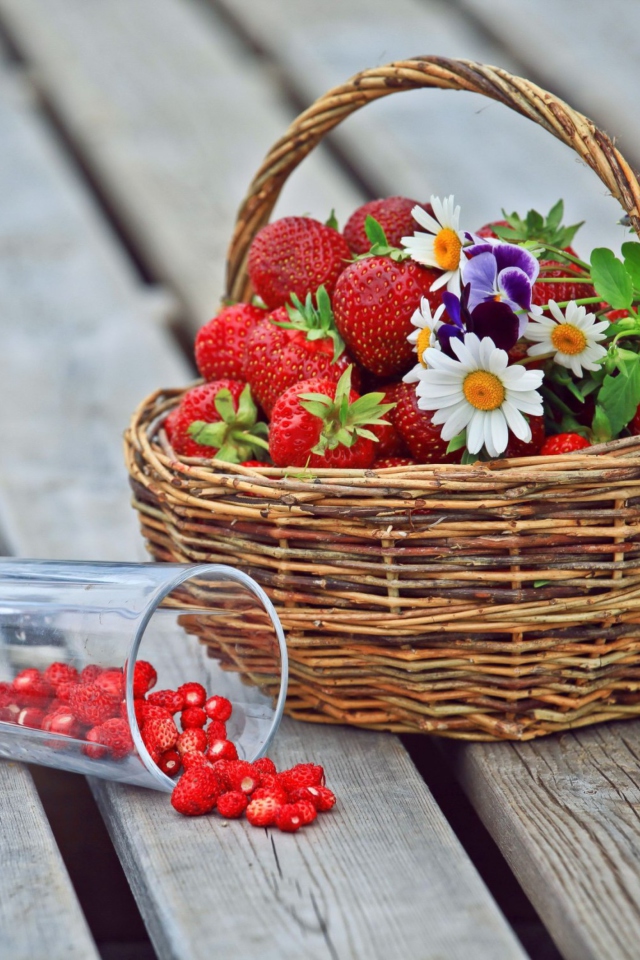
(129, 130)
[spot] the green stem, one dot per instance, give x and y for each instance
(573, 279)
(566, 256)
(565, 303)
(556, 401)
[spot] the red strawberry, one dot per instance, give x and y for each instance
(218, 708)
(193, 694)
(113, 682)
(159, 735)
(193, 758)
(232, 804)
(115, 734)
(322, 797)
(243, 776)
(292, 344)
(170, 762)
(518, 448)
(220, 344)
(394, 216)
(295, 255)
(302, 775)
(563, 443)
(488, 231)
(194, 739)
(390, 443)
(92, 705)
(262, 813)
(318, 423)
(171, 700)
(289, 818)
(221, 750)
(144, 678)
(564, 290)
(93, 748)
(416, 428)
(192, 717)
(273, 790)
(217, 730)
(90, 673)
(149, 711)
(196, 792)
(385, 462)
(62, 722)
(31, 688)
(217, 419)
(30, 717)
(307, 810)
(60, 673)
(222, 768)
(373, 303)
(264, 765)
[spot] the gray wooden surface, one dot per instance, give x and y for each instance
(383, 876)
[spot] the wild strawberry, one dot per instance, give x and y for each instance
(373, 303)
(193, 694)
(193, 738)
(295, 343)
(115, 734)
(171, 700)
(217, 730)
(145, 710)
(323, 798)
(193, 758)
(262, 813)
(92, 705)
(264, 765)
(306, 810)
(192, 717)
(90, 673)
(9, 713)
(63, 689)
(159, 734)
(220, 344)
(144, 678)
(295, 255)
(94, 749)
(196, 792)
(289, 818)
(518, 448)
(222, 750)
(302, 775)
(113, 682)
(7, 695)
(218, 419)
(394, 216)
(222, 768)
(385, 462)
(57, 673)
(318, 423)
(170, 762)
(30, 717)
(275, 791)
(417, 429)
(243, 776)
(62, 722)
(31, 688)
(218, 708)
(232, 804)
(563, 443)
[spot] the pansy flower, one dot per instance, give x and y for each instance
(488, 319)
(502, 273)
(441, 245)
(573, 337)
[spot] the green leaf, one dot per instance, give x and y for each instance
(555, 215)
(631, 254)
(208, 434)
(315, 408)
(375, 233)
(457, 442)
(332, 221)
(601, 426)
(541, 583)
(611, 279)
(223, 402)
(247, 411)
(619, 397)
(469, 457)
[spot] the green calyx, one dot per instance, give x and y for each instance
(344, 422)
(238, 435)
(536, 229)
(380, 246)
(317, 322)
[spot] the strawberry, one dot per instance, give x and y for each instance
(193, 694)
(232, 804)
(518, 448)
(196, 792)
(262, 813)
(306, 810)
(294, 343)
(30, 717)
(302, 775)
(170, 762)
(92, 705)
(218, 708)
(220, 344)
(264, 765)
(90, 673)
(563, 290)
(563, 443)
(222, 768)
(221, 750)
(217, 730)
(394, 216)
(159, 735)
(113, 682)
(289, 818)
(171, 700)
(145, 710)
(31, 688)
(384, 462)
(144, 678)
(323, 798)
(217, 419)
(390, 443)
(60, 673)
(93, 748)
(62, 722)
(193, 758)
(193, 739)
(373, 303)
(243, 776)
(295, 255)
(115, 735)
(318, 423)
(192, 717)
(273, 790)
(416, 428)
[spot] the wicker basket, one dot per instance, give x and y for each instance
(493, 601)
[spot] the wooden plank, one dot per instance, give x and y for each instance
(172, 118)
(384, 876)
(431, 141)
(566, 814)
(39, 912)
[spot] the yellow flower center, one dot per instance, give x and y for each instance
(447, 247)
(568, 339)
(423, 341)
(483, 390)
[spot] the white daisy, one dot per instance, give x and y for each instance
(423, 336)
(574, 336)
(441, 246)
(479, 392)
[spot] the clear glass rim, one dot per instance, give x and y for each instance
(183, 573)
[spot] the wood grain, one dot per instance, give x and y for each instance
(566, 814)
(384, 875)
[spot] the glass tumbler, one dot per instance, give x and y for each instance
(71, 634)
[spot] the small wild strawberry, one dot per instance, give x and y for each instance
(196, 792)
(92, 705)
(262, 813)
(193, 738)
(193, 694)
(144, 678)
(232, 804)
(171, 700)
(222, 750)
(289, 818)
(193, 717)
(218, 708)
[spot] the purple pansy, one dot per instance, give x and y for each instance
(501, 273)
(490, 318)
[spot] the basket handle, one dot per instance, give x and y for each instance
(306, 131)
